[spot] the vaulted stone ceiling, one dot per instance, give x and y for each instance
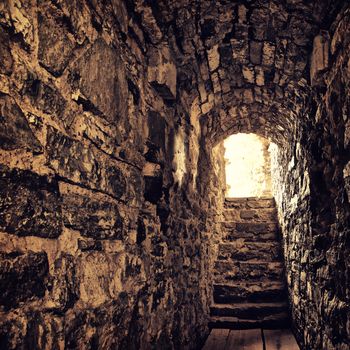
(247, 60)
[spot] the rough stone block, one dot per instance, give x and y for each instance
(45, 97)
(29, 204)
(6, 60)
(14, 128)
(242, 250)
(252, 292)
(156, 137)
(64, 291)
(248, 74)
(260, 76)
(252, 215)
(245, 271)
(239, 51)
(95, 289)
(162, 73)
(256, 228)
(268, 57)
(99, 78)
(93, 216)
(346, 175)
(213, 58)
(319, 58)
(255, 52)
(56, 44)
(22, 277)
(86, 165)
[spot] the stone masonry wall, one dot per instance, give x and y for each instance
(106, 203)
(111, 186)
(314, 200)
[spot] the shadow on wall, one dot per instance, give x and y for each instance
(248, 165)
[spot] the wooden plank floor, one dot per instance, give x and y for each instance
(280, 339)
(251, 339)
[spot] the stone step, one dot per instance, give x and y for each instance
(251, 227)
(242, 250)
(248, 215)
(263, 291)
(250, 203)
(249, 310)
(248, 271)
(276, 321)
(251, 231)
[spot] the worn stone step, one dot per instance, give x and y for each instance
(250, 231)
(249, 310)
(242, 250)
(248, 215)
(276, 321)
(250, 203)
(231, 236)
(263, 291)
(251, 227)
(245, 271)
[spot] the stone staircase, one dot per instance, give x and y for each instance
(249, 289)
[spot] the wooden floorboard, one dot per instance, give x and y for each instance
(217, 339)
(251, 339)
(280, 339)
(245, 339)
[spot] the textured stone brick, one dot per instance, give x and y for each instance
(131, 117)
(162, 73)
(14, 128)
(22, 277)
(56, 44)
(100, 77)
(30, 204)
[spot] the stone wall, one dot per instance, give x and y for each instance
(112, 181)
(313, 198)
(107, 207)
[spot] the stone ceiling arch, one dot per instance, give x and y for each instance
(219, 124)
(249, 59)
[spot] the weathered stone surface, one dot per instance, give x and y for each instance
(319, 57)
(315, 220)
(247, 203)
(14, 128)
(131, 114)
(83, 164)
(156, 136)
(244, 250)
(56, 44)
(265, 291)
(213, 58)
(162, 73)
(100, 81)
(6, 60)
(275, 321)
(30, 204)
(96, 218)
(255, 52)
(249, 310)
(45, 97)
(256, 228)
(64, 291)
(22, 277)
(268, 57)
(252, 271)
(256, 215)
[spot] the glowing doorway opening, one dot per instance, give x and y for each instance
(248, 166)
